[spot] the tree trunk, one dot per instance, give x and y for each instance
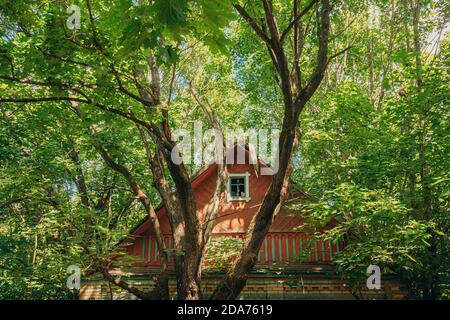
(237, 278)
(294, 102)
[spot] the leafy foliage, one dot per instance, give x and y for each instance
(373, 155)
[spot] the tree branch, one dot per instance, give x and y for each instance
(322, 60)
(14, 201)
(127, 115)
(124, 285)
(296, 19)
(338, 54)
(252, 23)
(212, 210)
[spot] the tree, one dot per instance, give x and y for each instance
(295, 97)
(88, 117)
(116, 69)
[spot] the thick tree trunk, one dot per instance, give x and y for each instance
(172, 205)
(193, 238)
(294, 103)
(162, 288)
(236, 279)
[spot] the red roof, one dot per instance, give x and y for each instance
(234, 216)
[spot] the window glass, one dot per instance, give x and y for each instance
(237, 187)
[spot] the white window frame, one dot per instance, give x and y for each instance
(246, 176)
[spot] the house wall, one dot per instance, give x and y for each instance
(291, 265)
(277, 247)
(283, 242)
(305, 286)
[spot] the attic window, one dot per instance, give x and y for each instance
(238, 187)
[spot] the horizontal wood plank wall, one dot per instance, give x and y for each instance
(312, 287)
(276, 248)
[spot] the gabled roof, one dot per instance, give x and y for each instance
(284, 222)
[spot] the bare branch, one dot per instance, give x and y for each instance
(252, 23)
(213, 207)
(271, 22)
(127, 115)
(122, 284)
(94, 29)
(41, 99)
(14, 201)
(209, 113)
(296, 19)
(321, 60)
(338, 54)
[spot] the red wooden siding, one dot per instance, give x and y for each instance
(276, 248)
(283, 242)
